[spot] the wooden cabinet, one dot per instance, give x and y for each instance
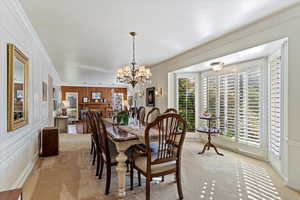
(49, 142)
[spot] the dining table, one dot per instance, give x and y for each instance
(124, 136)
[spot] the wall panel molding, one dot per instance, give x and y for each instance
(19, 148)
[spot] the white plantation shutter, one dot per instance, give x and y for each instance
(212, 94)
(204, 102)
(249, 106)
(227, 104)
(275, 107)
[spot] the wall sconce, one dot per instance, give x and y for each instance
(159, 92)
(140, 93)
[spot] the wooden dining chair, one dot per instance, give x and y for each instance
(109, 151)
(171, 110)
(141, 114)
(169, 131)
(95, 145)
(152, 115)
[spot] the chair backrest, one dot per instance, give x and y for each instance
(102, 136)
(171, 110)
(92, 125)
(141, 114)
(152, 115)
(170, 131)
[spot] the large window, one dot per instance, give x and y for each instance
(186, 100)
(234, 96)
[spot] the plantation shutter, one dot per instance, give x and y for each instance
(204, 105)
(249, 106)
(275, 100)
(212, 92)
(227, 104)
(186, 101)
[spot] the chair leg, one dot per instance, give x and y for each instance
(101, 167)
(139, 179)
(179, 186)
(162, 178)
(131, 176)
(98, 164)
(94, 157)
(108, 177)
(148, 181)
(92, 147)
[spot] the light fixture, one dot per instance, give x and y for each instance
(159, 92)
(217, 66)
(133, 74)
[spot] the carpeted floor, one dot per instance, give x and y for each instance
(70, 176)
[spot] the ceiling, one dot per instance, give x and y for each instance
(238, 57)
(88, 40)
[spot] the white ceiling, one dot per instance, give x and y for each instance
(88, 40)
(238, 57)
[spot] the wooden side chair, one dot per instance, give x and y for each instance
(95, 145)
(171, 131)
(108, 150)
(171, 110)
(152, 115)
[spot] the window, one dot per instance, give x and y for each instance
(235, 98)
(227, 104)
(186, 100)
(275, 105)
(249, 106)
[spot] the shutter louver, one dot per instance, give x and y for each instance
(275, 129)
(249, 106)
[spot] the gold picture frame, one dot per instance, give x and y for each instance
(17, 88)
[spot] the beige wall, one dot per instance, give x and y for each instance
(278, 26)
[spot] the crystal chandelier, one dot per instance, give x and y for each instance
(134, 74)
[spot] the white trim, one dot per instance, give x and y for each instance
(26, 172)
(92, 85)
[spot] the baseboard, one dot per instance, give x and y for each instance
(23, 177)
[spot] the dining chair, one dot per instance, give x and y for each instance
(95, 145)
(108, 150)
(152, 115)
(171, 110)
(141, 114)
(169, 131)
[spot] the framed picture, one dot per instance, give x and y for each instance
(44, 86)
(85, 99)
(19, 94)
(150, 97)
(96, 95)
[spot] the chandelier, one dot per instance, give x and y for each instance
(133, 74)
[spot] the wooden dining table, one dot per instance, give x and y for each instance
(124, 137)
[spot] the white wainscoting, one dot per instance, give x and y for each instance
(19, 149)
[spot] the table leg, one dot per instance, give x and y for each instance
(204, 148)
(121, 170)
(216, 150)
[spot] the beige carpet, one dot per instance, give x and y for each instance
(70, 176)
